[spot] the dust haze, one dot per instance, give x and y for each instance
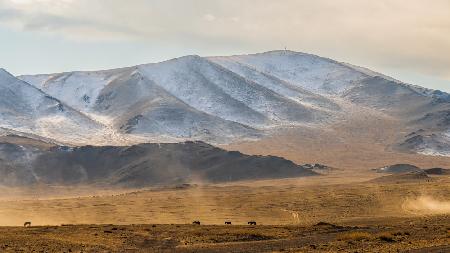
(427, 205)
(304, 201)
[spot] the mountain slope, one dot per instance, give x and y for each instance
(190, 78)
(310, 72)
(27, 109)
(322, 76)
(131, 103)
(185, 98)
(417, 107)
(232, 98)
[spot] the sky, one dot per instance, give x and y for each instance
(406, 39)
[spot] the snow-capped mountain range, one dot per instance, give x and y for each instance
(215, 99)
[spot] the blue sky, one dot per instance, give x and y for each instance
(408, 40)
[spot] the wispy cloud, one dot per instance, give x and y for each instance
(412, 34)
(62, 17)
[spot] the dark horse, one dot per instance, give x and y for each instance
(227, 222)
(27, 224)
(251, 223)
(196, 222)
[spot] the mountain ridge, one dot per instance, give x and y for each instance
(222, 99)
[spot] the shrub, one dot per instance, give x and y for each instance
(387, 237)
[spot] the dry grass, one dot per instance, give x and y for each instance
(272, 202)
(355, 216)
(373, 236)
(354, 236)
(387, 237)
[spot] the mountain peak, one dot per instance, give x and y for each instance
(284, 52)
(192, 57)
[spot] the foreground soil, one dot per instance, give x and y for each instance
(425, 234)
(342, 211)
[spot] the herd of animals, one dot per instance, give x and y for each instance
(253, 223)
(196, 222)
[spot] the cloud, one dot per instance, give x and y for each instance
(60, 18)
(209, 17)
(392, 34)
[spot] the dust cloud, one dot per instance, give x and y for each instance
(426, 205)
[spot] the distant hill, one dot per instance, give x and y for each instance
(402, 178)
(409, 168)
(437, 171)
(26, 162)
(399, 168)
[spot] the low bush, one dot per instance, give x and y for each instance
(387, 237)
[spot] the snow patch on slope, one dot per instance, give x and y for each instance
(27, 109)
(189, 79)
(307, 71)
(283, 88)
(78, 89)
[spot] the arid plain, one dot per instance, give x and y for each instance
(295, 215)
(341, 210)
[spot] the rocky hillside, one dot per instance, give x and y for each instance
(26, 161)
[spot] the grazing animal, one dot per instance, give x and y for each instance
(227, 222)
(27, 224)
(252, 223)
(196, 222)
